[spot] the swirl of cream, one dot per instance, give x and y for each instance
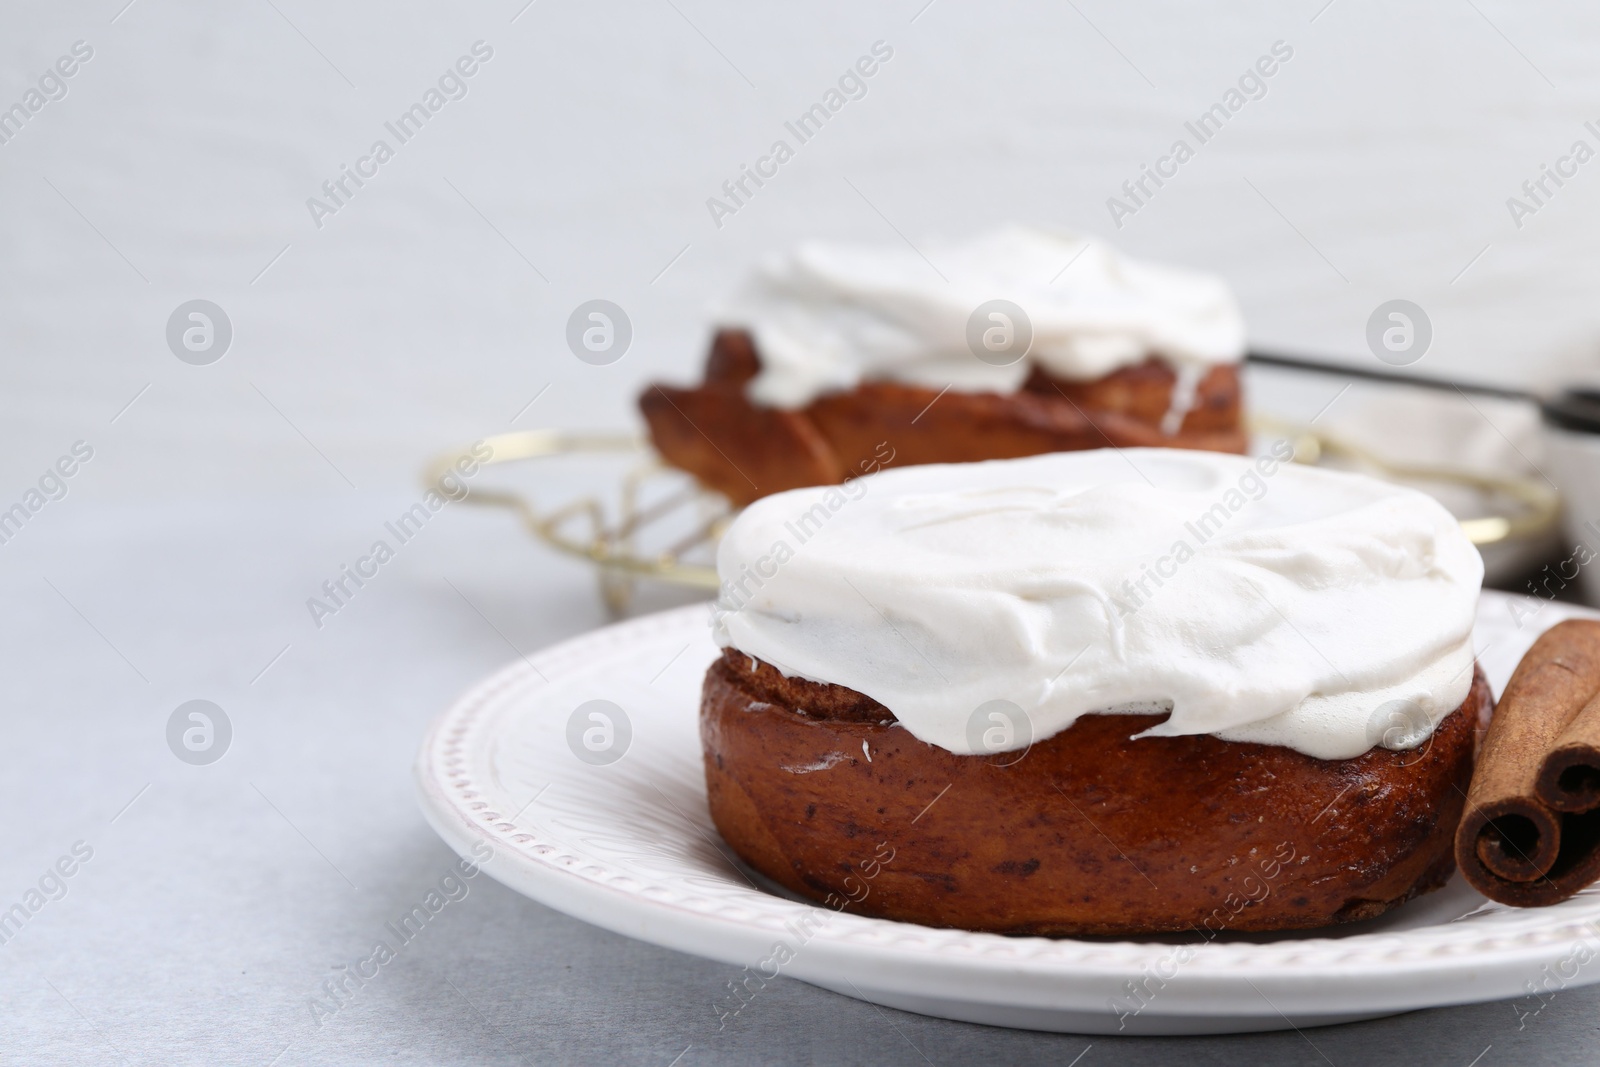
(1259, 600)
(827, 317)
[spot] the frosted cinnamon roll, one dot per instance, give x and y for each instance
(1098, 692)
(1019, 342)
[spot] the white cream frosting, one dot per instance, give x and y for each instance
(827, 317)
(1261, 601)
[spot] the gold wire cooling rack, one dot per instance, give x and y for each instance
(658, 524)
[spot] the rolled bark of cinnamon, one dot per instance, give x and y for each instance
(1514, 845)
(1570, 778)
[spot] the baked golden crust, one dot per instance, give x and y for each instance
(747, 451)
(1088, 832)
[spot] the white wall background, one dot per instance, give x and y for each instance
(1383, 153)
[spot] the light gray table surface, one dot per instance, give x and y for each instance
(219, 898)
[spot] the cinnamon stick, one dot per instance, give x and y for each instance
(1513, 845)
(1570, 777)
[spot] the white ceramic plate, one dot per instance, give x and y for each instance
(630, 846)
